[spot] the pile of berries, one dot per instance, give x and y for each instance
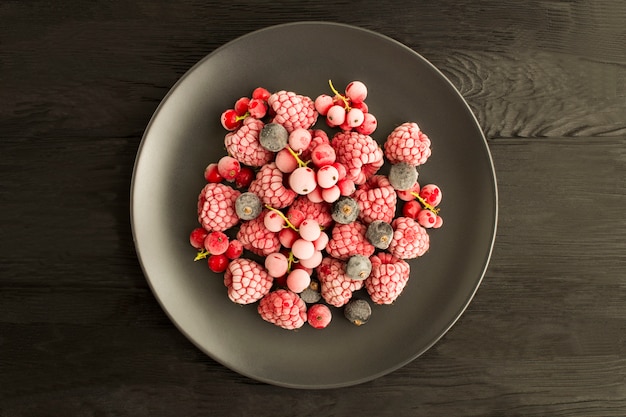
(313, 216)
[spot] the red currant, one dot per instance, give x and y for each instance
(218, 263)
(230, 119)
(197, 236)
(411, 209)
(211, 173)
(235, 249)
(245, 177)
(261, 94)
(241, 106)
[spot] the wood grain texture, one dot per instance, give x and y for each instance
(82, 335)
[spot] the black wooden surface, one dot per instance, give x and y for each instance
(82, 335)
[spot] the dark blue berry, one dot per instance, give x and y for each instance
(358, 267)
(402, 176)
(248, 206)
(345, 210)
(358, 311)
(273, 137)
(379, 234)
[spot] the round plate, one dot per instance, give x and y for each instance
(185, 135)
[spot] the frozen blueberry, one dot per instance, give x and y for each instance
(358, 311)
(402, 176)
(311, 294)
(358, 267)
(248, 206)
(379, 234)
(345, 210)
(273, 137)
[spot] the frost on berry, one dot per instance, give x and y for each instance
(243, 144)
(360, 154)
(247, 281)
(268, 185)
(407, 143)
(283, 308)
(321, 212)
(376, 199)
(410, 240)
(255, 237)
(349, 239)
(216, 207)
(292, 110)
(336, 287)
(388, 278)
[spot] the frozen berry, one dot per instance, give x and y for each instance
(273, 221)
(321, 242)
(310, 230)
(323, 154)
(228, 167)
(379, 234)
(218, 263)
(273, 137)
(345, 210)
(197, 236)
(230, 120)
(346, 187)
(327, 176)
(402, 176)
(331, 194)
(336, 115)
(314, 261)
(358, 267)
(211, 173)
(261, 93)
(295, 216)
(368, 126)
(355, 117)
(427, 219)
(311, 294)
(298, 280)
(257, 108)
(287, 236)
(248, 206)
(299, 139)
(323, 103)
(356, 91)
(431, 194)
(411, 209)
(245, 177)
(285, 161)
(276, 264)
(302, 180)
(241, 106)
(302, 249)
(216, 243)
(357, 311)
(235, 249)
(319, 316)
(315, 196)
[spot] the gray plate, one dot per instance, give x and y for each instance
(185, 135)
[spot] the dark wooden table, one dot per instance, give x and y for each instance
(81, 334)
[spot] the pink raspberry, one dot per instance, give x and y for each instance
(268, 185)
(360, 154)
(388, 278)
(336, 287)
(243, 144)
(247, 281)
(255, 237)
(377, 200)
(216, 207)
(292, 110)
(283, 308)
(349, 239)
(410, 240)
(407, 143)
(322, 212)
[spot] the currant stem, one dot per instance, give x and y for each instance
(296, 155)
(280, 213)
(202, 255)
(346, 104)
(291, 260)
(424, 203)
(243, 116)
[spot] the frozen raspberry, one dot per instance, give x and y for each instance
(388, 278)
(243, 144)
(321, 212)
(216, 207)
(318, 137)
(410, 240)
(336, 286)
(292, 110)
(247, 281)
(283, 308)
(268, 185)
(349, 239)
(407, 143)
(360, 154)
(255, 237)
(377, 200)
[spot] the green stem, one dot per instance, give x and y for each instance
(343, 98)
(202, 255)
(424, 203)
(281, 214)
(293, 153)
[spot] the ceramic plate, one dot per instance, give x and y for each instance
(185, 135)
